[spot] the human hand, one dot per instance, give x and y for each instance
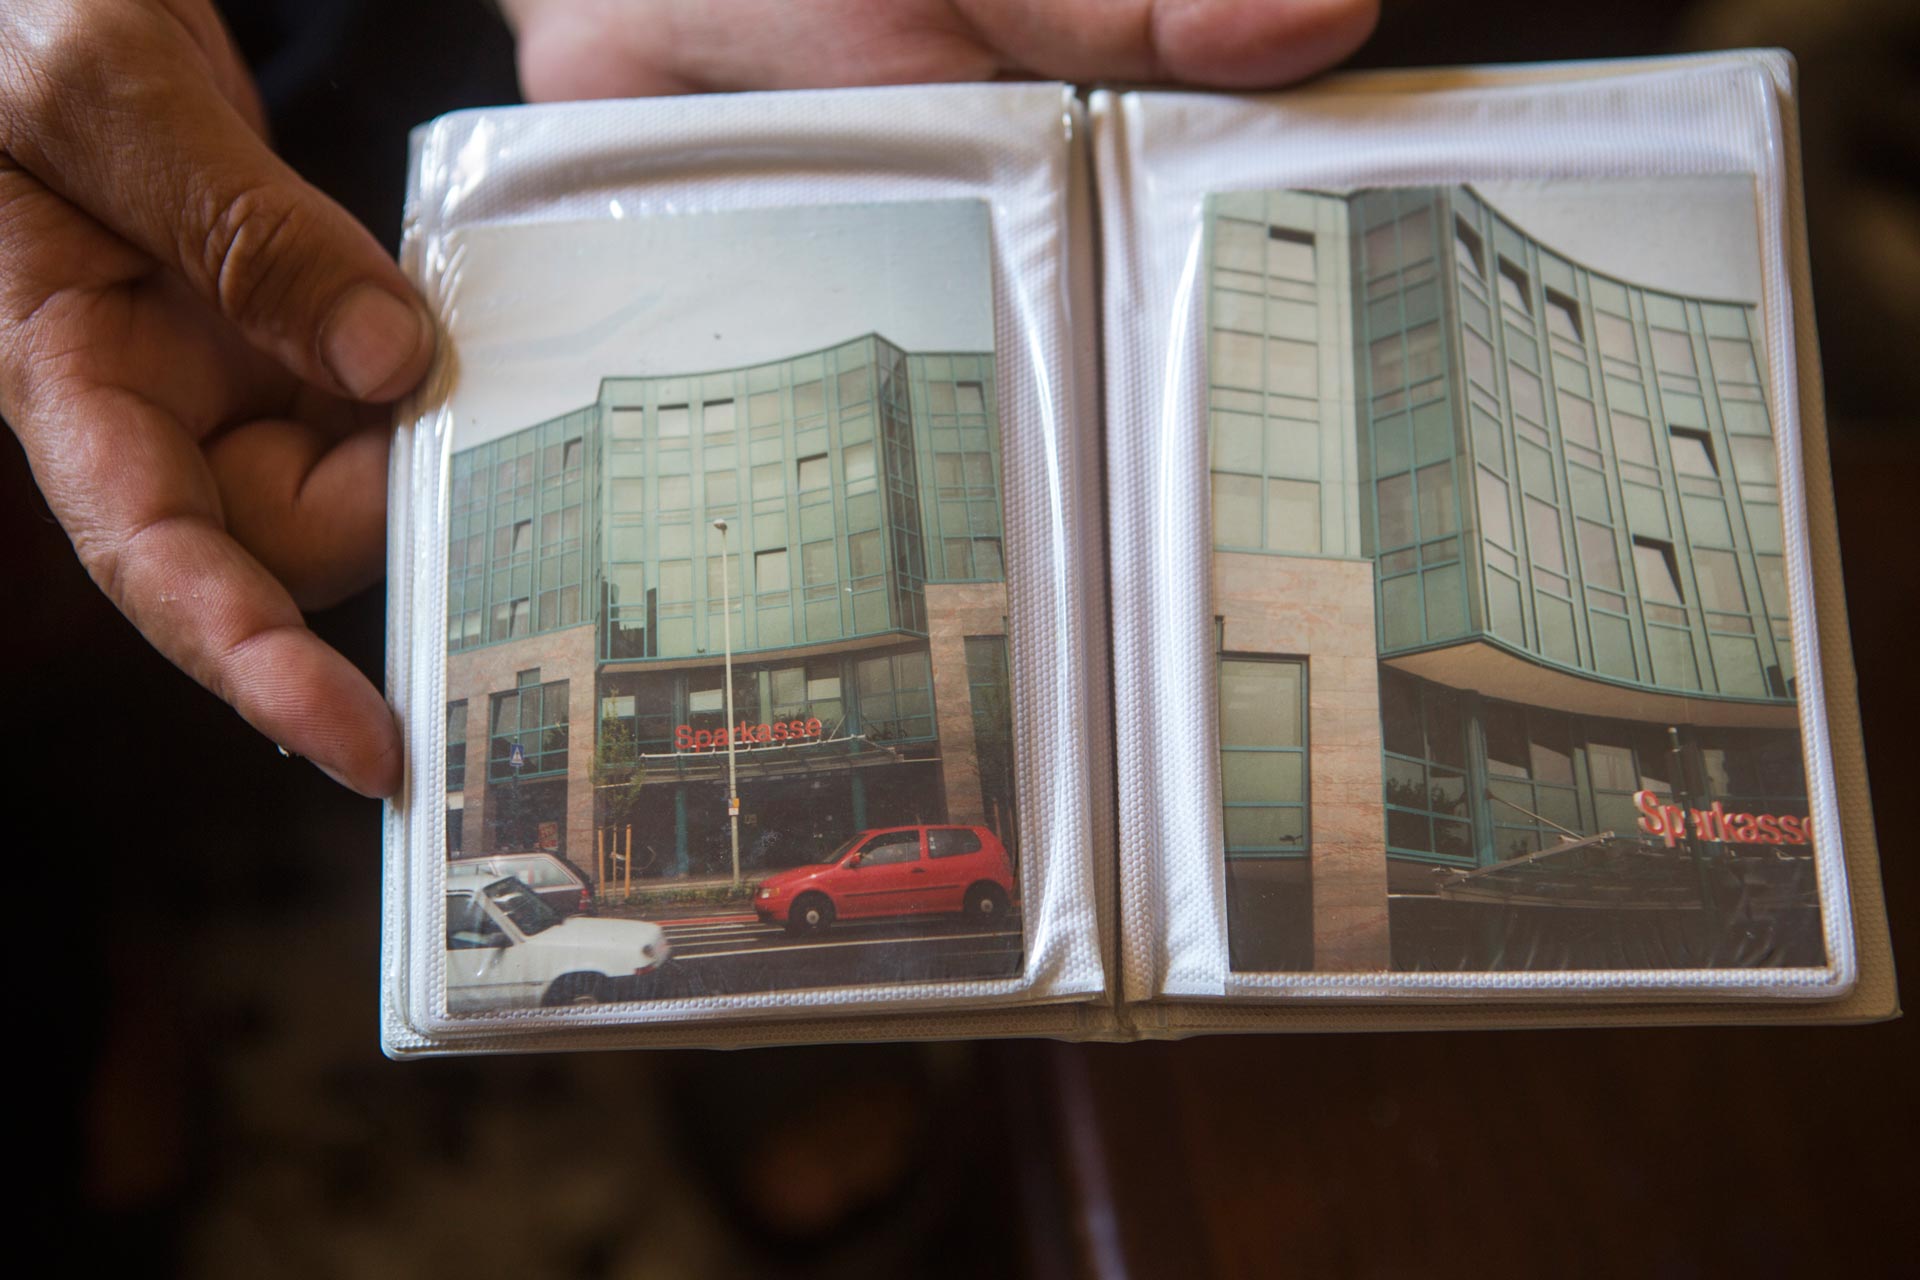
(633, 48)
(191, 343)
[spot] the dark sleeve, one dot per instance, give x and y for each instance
(344, 80)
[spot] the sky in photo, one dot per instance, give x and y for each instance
(541, 313)
(1697, 236)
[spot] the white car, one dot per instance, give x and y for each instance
(508, 949)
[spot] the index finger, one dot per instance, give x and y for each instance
(135, 496)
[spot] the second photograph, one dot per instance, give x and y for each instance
(1505, 657)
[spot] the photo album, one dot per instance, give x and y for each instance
(1001, 560)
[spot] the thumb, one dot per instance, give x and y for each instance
(132, 128)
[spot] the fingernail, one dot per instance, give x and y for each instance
(370, 337)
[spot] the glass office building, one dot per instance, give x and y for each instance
(1497, 546)
(858, 581)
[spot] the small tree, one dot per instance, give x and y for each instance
(617, 772)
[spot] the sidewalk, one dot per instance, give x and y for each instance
(661, 898)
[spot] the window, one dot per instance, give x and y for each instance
(1773, 583)
(559, 607)
(1616, 338)
(457, 745)
(1237, 245)
(763, 408)
(716, 417)
(1293, 516)
(986, 558)
(1732, 360)
(1718, 575)
(1524, 389)
(1673, 353)
(1468, 250)
(1563, 315)
(1543, 536)
(1435, 487)
(969, 397)
(1290, 254)
(1496, 521)
(1423, 732)
(856, 385)
(1393, 245)
(469, 927)
(1263, 757)
(676, 493)
(1633, 439)
(676, 581)
(809, 399)
(723, 490)
(1388, 363)
(1598, 557)
(858, 461)
(1693, 453)
(1236, 510)
(1236, 359)
(1479, 355)
(1658, 571)
(770, 570)
(512, 618)
(1577, 422)
(1532, 793)
(1513, 287)
(951, 842)
(890, 847)
(1424, 361)
(723, 579)
(814, 473)
(672, 421)
(1293, 368)
(896, 697)
(626, 423)
(819, 568)
(535, 717)
(1395, 509)
(1754, 461)
(864, 552)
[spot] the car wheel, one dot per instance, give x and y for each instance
(578, 988)
(810, 913)
(987, 903)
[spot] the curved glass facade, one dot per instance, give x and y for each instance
(1573, 467)
(859, 585)
(1510, 527)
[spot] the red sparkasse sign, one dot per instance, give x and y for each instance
(1670, 823)
(688, 738)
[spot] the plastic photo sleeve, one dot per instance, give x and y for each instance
(1458, 518)
(741, 577)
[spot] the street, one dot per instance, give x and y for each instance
(730, 954)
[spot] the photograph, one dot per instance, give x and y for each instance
(1505, 655)
(727, 694)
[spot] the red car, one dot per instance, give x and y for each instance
(895, 871)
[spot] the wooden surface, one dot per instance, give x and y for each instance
(1671, 1152)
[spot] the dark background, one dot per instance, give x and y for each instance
(199, 1033)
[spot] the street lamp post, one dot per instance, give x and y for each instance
(726, 633)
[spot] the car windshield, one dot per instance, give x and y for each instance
(523, 906)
